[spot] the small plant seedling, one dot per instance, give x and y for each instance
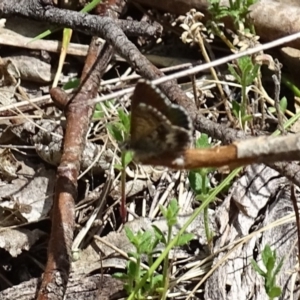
(223, 185)
(199, 182)
(120, 131)
(269, 260)
(282, 104)
(245, 72)
(98, 112)
(170, 213)
(145, 244)
(237, 10)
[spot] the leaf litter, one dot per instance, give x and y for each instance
(255, 200)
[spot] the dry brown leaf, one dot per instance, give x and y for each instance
(34, 199)
(32, 68)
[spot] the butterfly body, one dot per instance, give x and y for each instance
(158, 127)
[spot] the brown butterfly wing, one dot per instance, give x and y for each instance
(157, 126)
(143, 123)
(145, 92)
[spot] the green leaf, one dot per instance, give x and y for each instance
(133, 254)
(171, 218)
(98, 107)
(275, 291)
(164, 211)
(290, 85)
(45, 34)
(195, 180)
(146, 242)
(72, 84)
(247, 118)
(125, 120)
(184, 239)
(214, 2)
(283, 104)
(132, 269)
(270, 264)
(173, 207)
(234, 73)
(257, 268)
(143, 272)
(237, 10)
(118, 167)
(159, 290)
(129, 234)
(272, 110)
(91, 5)
(157, 280)
(241, 63)
(236, 109)
(172, 212)
(115, 129)
(244, 63)
(120, 276)
(248, 71)
(251, 74)
(266, 254)
(128, 288)
(97, 115)
(255, 71)
(199, 182)
(159, 234)
(128, 157)
(202, 142)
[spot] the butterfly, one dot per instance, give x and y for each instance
(158, 128)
